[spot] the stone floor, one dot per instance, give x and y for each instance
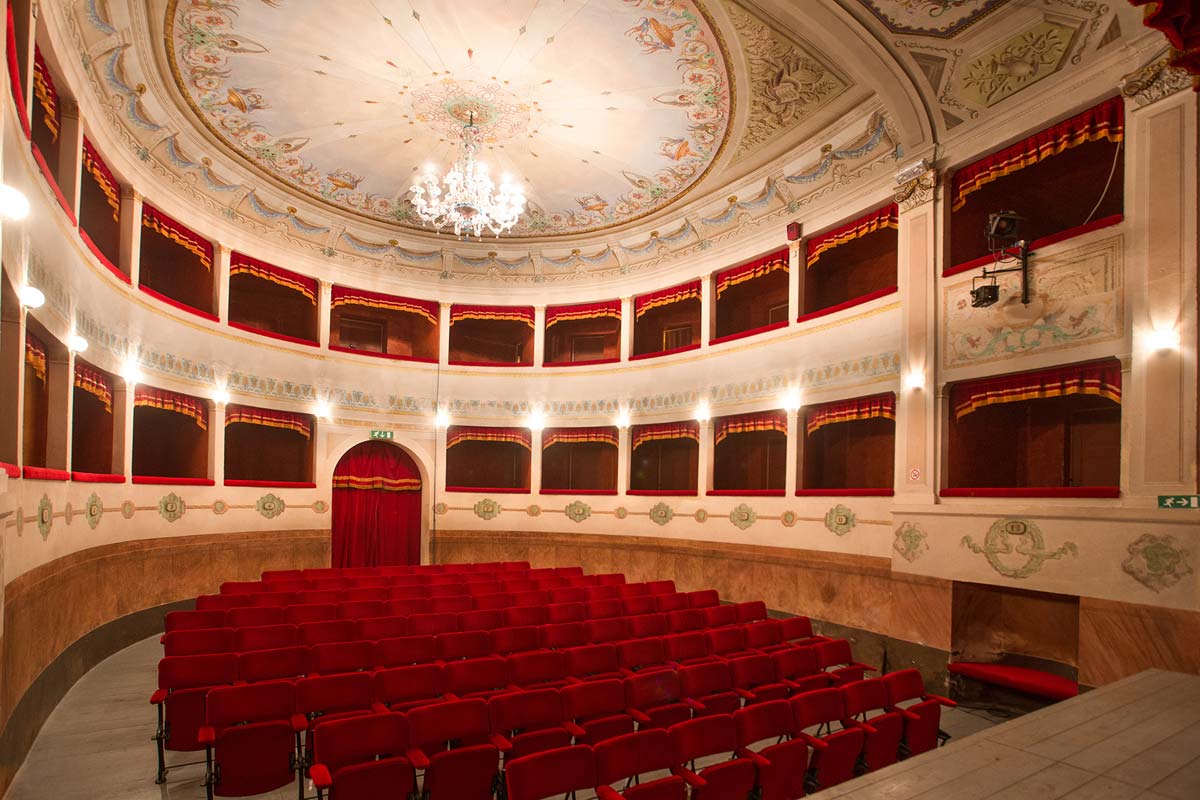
(1121, 741)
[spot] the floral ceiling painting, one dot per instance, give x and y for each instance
(941, 18)
(604, 111)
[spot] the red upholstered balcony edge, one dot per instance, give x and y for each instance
(488, 364)
(1023, 679)
(856, 301)
(103, 259)
(49, 176)
(730, 337)
(153, 480)
(283, 337)
(96, 477)
(1035, 491)
(45, 474)
(662, 492)
(339, 349)
(275, 484)
(845, 492)
(581, 363)
(747, 492)
(1037, 244)
(177, 304)
(670, 352)
(11, 470)
(597, 492)
(488, 489)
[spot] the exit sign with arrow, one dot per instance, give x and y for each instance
(382, 434)
(1179, 501)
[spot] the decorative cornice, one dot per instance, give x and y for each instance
(918, 191)
(1155, 80)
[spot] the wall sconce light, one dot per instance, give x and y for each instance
(131, 372)
(703, 412)
(322, 410)
(221, 396)
(536, 420)
(441, 419)
(13, 204)
(622, 421)
(914, 380)
(76, 343)
(31, 297)
(1158, 339)
(792, 400)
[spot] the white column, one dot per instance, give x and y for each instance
(704, 463)
(70, 152)
(535, 461)
(626, 342)
(792, 452)
(707, 308)
(60, 385)
(12, 399)
(439, 461)
(216, 442)
(221, 255)
(444, 334)
(123, 429)
(324, 310)
(623, 457)
(130, 250)
(539, 335)
(795, 282)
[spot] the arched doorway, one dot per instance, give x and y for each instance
(376, 507)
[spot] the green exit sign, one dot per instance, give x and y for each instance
(1179, 501)
(382, 435)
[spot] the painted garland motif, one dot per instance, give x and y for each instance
(1015, 548)
(1157, 562)
(127, 509)
(910, 542)
(620, 512)
(788, 519)
(320, 506)
(701, 515)
(534, 510)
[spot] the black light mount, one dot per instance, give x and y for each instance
(1007, 246)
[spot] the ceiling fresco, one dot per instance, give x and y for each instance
(942, 18)
(603, 111)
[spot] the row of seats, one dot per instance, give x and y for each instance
(548, 742)
(489, 567)
(509, 581)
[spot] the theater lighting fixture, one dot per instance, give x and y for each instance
(469, 201)
(13, 204)
(221, 397)
(792, 400)
(914, 380)
(131, 372)
(31, 297)
(622, 420)
(442, 418)
(76, 343)
(322, 410)
(703, 412)
(1004, 240)
(537, 420)
(1156, 339)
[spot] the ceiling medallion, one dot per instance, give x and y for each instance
(470, 202)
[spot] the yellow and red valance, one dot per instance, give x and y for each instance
(751, 270)
(877, 220)
(1100, 378)
(524, 314)
(183, 236)
(103, 177)
(610, 309)
(269, 418)
(665, 297)
(44, 91)
(1105, 121)
(345, 296)
(457, 434)
(553, 436)
(878, 406)
(95, 383)
(242, 264)
(35, 356)
(376, 482)
(642, 434)
(750, 423)
(194, 407)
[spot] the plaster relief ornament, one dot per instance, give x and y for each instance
(270, 506)
(743, 517)
(441, 509)
(578, 511)
(536, 511)
(620, 512)
(171, 507)
(1015, 548)
(93, 511)
(320, 506)
(68, 512)
(940, 18)
(701, 515)
(127, 509)
(1157, 562)
(45, 516)
(20, 520)
(219, 507)
(487, 508)
(661, 513)
(840, 520)
(788, 518)
(1017, 64)
(910, 542)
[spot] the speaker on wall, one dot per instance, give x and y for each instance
(793, 231)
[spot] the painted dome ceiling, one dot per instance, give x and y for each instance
(604, 111)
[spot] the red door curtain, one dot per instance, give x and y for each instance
(376, 507)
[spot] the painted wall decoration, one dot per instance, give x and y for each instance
(910, 541)
(171, 507)
(1157, 562)
(45, 516)
(661, 513)
(555, 93)
(743, 516)
(487, 508)
(840, 520)
(1015, 548)
(941, 18)
(578, 511)
(1016, 64)
(93, 510)
(270, 506)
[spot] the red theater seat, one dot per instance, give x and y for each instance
(1031, 681)
(404, 650)
(922, 715)
(866, 707)
(528, 722)
(446, 622)
(640, 655)
(537, 669)
(562, 635)
(782, 764)
(708, 689)
(270, 665)
(450, 743)
(719, 616)
(309, 612)
(566, 612)
(647, 625)
(334, 657)
(250, 739)
(198, 642)
(550, 774)
(711, 736)
(799, 669)
(406, 688)
(592, 662)
(624, 759)
(671, 602)
(465, 644)
(613, 629)
(835, 754)
(254, 616)
(654, 699)
(752, 611)
(193, 620)
(264, 637)
(376, 628)
(358, 609)
(756, 679)
(595, 710)
(684, 649)
(515, 640)
(338, 630)
(477, 677)
(703, 598)
(834, 657)
(183, 684)
(357, 759)
(484, 620)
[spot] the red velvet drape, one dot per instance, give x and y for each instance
(376, 508)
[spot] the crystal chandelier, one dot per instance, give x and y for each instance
(470, 202)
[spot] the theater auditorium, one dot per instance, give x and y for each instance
(599, 400)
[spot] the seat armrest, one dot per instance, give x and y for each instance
(572, 680)
(158, 697)
(574, 729)
(418, 758)
(502, 743)
(673, 664)
(945, 701)
(758, 759)
(862, 666)
(299, 722)
(627, 672)
(638, 716)
(862, 726)
(690, 778)
(695, 704)
(607, 793)
(812, 741)
(379, 708)
(745, 694)
(451, 697)
(207, 735)
(904, 712)
(320, 776)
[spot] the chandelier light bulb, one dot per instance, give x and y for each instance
(76, 343)
(31, 297)
(13, 204)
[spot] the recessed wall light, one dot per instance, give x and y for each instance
(31, 297)
(76, 343)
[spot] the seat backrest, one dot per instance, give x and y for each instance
(444, 622)
(725, 640)
(671, 602)
(476, 675)
(487, 619)
(402, 650)
(751, 611)
(796, 628)
(358, 609)
(524, 615)
(276, 664)
(633, 590)
(759, 721)
(816, 707)
(902, 685)
(566, 612)
(241, 587)
(859, 697)
(704, 736)
(598, 591)
(189, 672)
(334, 657)
(434, 727)
(530, 710)
(610, 579)
(531, 597)
(645, 625)
(322, 597)
(652, 689)
(498, 601)
(636, 606)
(309, 612)
(335, 630)
(613, 629)
(415, 682)
(592, 659)
(603, 609)
(718, 616)
(592, 699)
(515, 640)
(253, 616)
(684, 646)
(703, 598)
(833, 653)
(406, 607)
(638, 653)
(568, 594)
(660, 587)
(463, 644)
(632, 754)
(563, 634)
(478, 585)
(536, 666)
(750, 671)
(193, 620)
(198, 641)
(253, 702)
(357, 740)
(263, 637)
(796, 662)
(699, 680)
(550, 773)
(406, 592)
(326, 694)
(222, 602)
(376, 628)
(453, 605)
(685, 619)
(763, 634)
